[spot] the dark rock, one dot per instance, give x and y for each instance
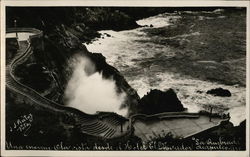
(157, 101)
(11, 47)
(199, 91)
(39, 79)
(219, 92)
(151, 25)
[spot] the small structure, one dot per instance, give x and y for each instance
(121, 120)
(15, 25)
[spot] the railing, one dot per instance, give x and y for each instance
(206, 130)
(27, 91)
(16, 86)
(33, 95)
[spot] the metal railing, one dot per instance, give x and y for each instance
(14, 85)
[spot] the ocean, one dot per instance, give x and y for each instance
(190, 52)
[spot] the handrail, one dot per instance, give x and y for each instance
(204, 130)
(13, 30)
(35, 96)
(16, 60)
(38, 33)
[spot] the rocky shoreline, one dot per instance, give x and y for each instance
(65, 29)
(63, 39)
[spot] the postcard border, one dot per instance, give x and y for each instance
(158, 3)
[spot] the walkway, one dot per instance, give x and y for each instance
(181, 127)
(180, 124)
(88, 124)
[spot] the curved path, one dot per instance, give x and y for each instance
(88, 124)
(102, 125)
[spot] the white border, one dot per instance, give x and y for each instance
(157, 3)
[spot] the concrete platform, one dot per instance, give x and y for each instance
(179, 127)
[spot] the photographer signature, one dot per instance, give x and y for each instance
(22, 124)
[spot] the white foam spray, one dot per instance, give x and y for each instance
(89, 92)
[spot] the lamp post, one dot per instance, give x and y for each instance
(15, 27)
(211, 110)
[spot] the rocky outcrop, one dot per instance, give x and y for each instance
(219, 92)
(157, 101)
(65, 29)
(11, 47)
(61, 45)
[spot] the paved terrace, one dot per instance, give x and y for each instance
(181, 125)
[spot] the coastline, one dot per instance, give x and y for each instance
(66, 39)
